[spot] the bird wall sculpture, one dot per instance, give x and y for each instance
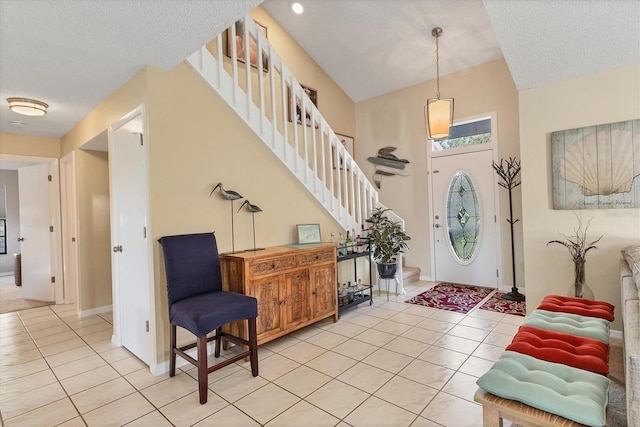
(231, 196)
(253, 209)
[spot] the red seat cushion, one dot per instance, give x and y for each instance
(557, 347)
(582, 307)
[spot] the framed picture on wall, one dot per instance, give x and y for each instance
(348, 143)
(253, 45)
(312, 94)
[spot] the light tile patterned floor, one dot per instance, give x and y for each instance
(390, 364)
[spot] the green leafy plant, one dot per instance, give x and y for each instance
(387, 237)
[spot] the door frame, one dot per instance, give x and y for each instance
(116, 339)
(493, 146)
(54, 204)
(69, 217)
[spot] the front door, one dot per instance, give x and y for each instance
(464, 220)
(35, 233)
(129, 230)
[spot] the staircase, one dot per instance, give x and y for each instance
(250, 76)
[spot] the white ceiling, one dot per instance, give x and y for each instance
(372, 47)
(72, 54)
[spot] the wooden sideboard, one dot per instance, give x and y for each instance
(295, 286)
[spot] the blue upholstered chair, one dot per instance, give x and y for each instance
(198, 304)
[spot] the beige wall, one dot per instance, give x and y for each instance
(607, 97)
(92, 183)
(397, 119)
(195, 141)
(94, 242)
(334, 105)
(27, 145)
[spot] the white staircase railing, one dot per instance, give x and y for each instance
(243, 68)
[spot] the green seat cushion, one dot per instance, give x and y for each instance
(568, 323)
(572, 393)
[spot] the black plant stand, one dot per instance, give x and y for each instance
(508, 170)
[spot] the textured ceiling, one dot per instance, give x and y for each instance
(371, 47)
(547, 41)
(72, 54)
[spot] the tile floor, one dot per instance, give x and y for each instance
(390, 364)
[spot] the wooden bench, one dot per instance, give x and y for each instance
(495, 409)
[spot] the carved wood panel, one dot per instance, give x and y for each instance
(324, 285)
(266, 291)
(316, 257)
(297, 307)
(272, 265)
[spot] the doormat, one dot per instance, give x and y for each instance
(496, 303)
(452, 297)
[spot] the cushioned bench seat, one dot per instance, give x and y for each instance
(572, 324)
(571, 393)
(583, 307)
(557, 347)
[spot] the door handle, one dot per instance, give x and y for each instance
(117, 248)
(20, 239)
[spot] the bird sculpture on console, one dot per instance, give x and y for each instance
(231, 196)
(253, 209)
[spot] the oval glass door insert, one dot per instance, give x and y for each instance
(463, 217)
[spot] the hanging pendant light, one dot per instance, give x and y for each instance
(438, 112)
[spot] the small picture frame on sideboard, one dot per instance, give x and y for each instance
(308, 233)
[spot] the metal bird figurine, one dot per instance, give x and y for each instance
(253, 209)
(227, 194)
(231, 196)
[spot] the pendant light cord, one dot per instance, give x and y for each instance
(437, 68)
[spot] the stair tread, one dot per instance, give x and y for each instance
(410, 274)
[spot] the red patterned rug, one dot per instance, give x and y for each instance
(452, 297)
(496, 303)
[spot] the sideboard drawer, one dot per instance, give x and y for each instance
(261, 267)
(316, 257)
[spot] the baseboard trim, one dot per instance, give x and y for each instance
(97, 310)
(426, 278)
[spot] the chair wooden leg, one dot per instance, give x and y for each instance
(218, 339)
(202, 369)
(253, 346)
(172, 355)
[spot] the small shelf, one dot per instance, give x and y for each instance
(353, 255)
(355, 302)
(362, 292)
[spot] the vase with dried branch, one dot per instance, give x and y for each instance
(578, 248)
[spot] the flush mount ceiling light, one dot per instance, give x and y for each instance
(28, 107)
(297, 8)
(438, 112)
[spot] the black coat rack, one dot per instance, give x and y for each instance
(508, 170)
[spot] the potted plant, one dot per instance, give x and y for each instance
(578, 248)
(387, 239)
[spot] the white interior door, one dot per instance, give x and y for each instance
(35, 234)
(464, 220)
(131, 253)
(69, 227)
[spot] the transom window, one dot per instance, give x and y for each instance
(463, 134)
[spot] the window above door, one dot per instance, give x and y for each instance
(464, 134)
